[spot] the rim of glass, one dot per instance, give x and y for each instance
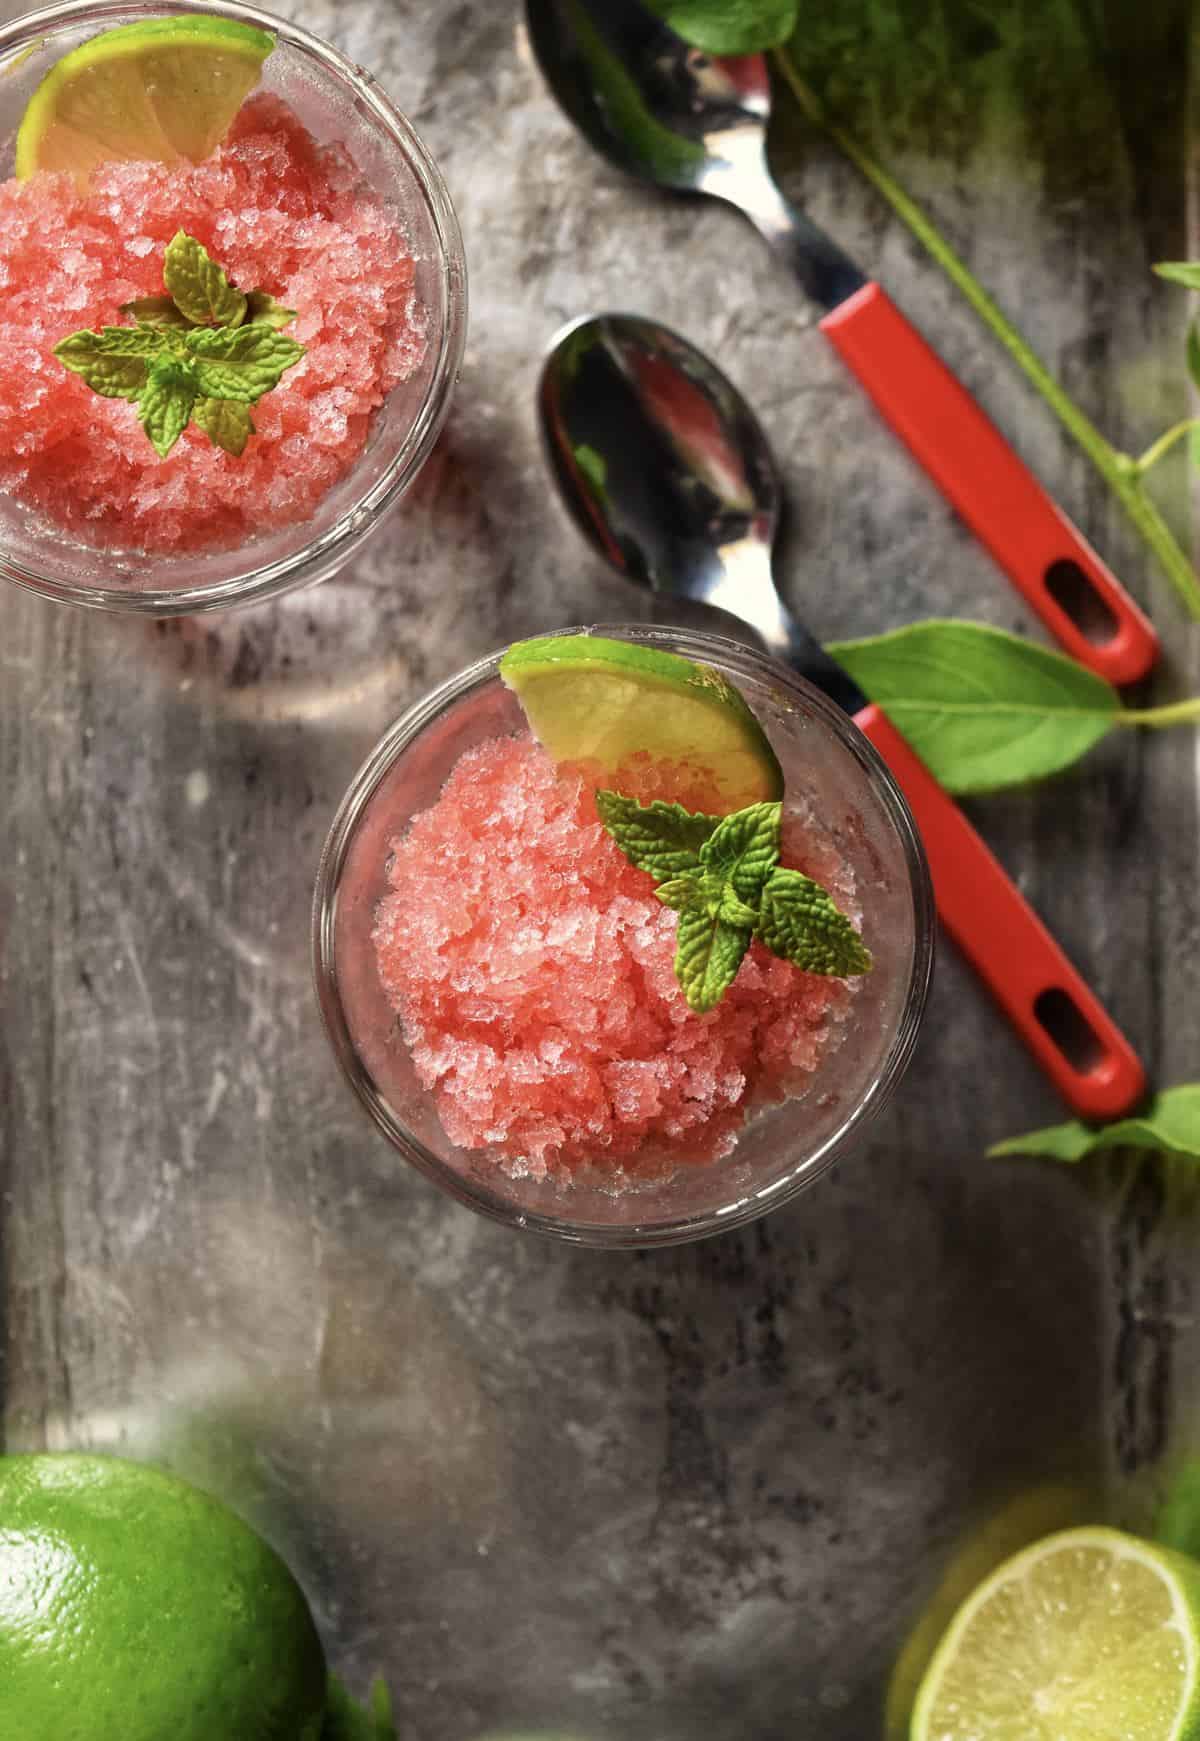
(471, 1192)
(324, 555)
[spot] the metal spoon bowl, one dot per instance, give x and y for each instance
(669, 476)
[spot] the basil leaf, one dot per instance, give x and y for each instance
(240, 362)
(743, 849)
(729, 26)
(708, 953)
(663, 839)
(166, 404)
(1170, 1123)
(198, 286)
(983, 709)
(1181, 272)
(799, 921)
(226, 423)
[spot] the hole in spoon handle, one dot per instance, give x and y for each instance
(1063, 1023)
(961, 449)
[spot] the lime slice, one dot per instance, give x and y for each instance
(155, 92)
(1089, 1635)
(588, 699)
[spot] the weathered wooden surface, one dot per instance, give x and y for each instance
(632, 1496)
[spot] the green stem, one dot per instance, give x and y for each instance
(1157, 718)
(1164, 444)
(1117, 469)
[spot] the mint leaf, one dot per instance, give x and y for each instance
(663, 839)
(1186, 272)
(799, 922)
(113, 362)
(708, 953)
(157, 311)
(1170, 1123)
(226, 423)
(263, 310)
(198, 286)
(982, 708)
(166, 404)
(175, 364)
(682, 891)
(240, 363)
(723, 27)
(743, 849)
(733, 911)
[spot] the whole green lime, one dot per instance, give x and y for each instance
(135, 1608)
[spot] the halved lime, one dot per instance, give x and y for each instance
(1090, 1635)
(588, 699)
(157, 92)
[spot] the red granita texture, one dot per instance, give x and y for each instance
(532, 970)
(279, 213)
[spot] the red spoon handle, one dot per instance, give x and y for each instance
(995, 492)
(1009, 947)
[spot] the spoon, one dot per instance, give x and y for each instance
(668, 474)
(671, 115)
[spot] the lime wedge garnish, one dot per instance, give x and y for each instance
(592, 700)
(156, 92)
(1089, 1635)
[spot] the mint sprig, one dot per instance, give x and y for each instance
(721, 874)
(203, 353)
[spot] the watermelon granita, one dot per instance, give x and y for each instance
(531, 969)
(281, 213)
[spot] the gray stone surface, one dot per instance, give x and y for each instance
(626, 1496)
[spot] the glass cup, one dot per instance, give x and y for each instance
(337, 102)
(782, 1148)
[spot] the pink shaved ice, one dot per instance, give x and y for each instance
(279, 213)
(532, 971)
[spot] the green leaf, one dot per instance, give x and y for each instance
(1170, 1123)
(198, 286)
(671, 157)
(159, 311)
(1194, 447)
(682, 891)
(347, 1720)
(743, 849)
(984, 709)
(708, 953)
(663, 839)
(226, 422)
(263, 310)
(240, 363)
(734, 911)
(1181, 272)
(593, 466)
(166, 404)
(799, 922)
(114, 362)
(1193, 352)
(729, 26)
